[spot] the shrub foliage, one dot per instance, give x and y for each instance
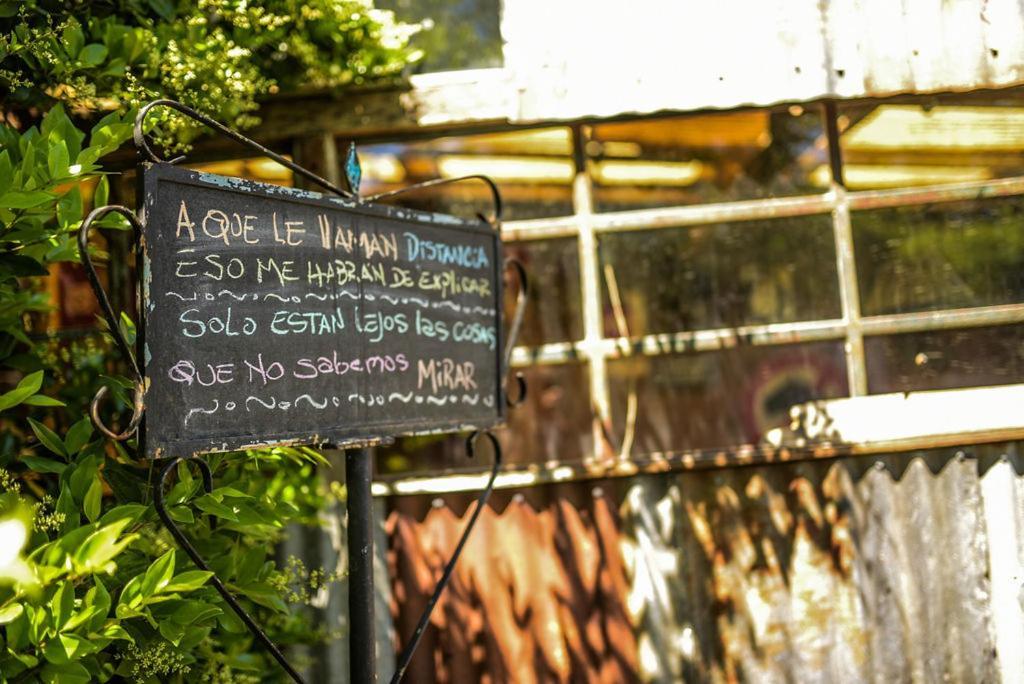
(91, 586)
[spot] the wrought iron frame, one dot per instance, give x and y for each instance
(358, 467)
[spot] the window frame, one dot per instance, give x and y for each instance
(586, 226)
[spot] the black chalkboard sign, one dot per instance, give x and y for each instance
(274, 316)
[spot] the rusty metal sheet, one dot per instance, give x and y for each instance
(905, 567)
(537, 596)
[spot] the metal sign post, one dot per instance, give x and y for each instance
(398, 313)
(361, 640)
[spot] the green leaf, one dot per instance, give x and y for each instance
(6, 172)
(93, 500)
(99, 599)
(172, 631)
(208, 504)
(265, 596)
(163, 8)
(48, 438)
(187, 581)
(129, 512)
(72, 37)
(78, 435)
(181, 514)
(102, 193)
(66, 505)
(130, 596)
(17, 633)
(101, 546)
(65, 673)
(38, 623)
(191, 612)
(58, 161)
(18, 266)
(195, 636)
(158, 575)
(69, 209)
(24, 199)
(86, 470)
(10, 612)
(84, 616)
(43, 400)
(117, 632)
(28, 386)
(127, 327)
(62, 604)
(93, 54)
(40, 464)
(229, 493)
(128, 482)
(230, 622)
(54, 121)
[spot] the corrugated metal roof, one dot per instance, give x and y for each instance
(576, 58)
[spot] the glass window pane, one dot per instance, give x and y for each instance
(707, 158)
(553, 424)
(947, 139)
(553, 309)
(718, 399)
(945, 359)
(724, 275)
(455, 35)
(533, 169)
(940, 256)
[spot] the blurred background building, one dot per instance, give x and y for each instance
(774, 346)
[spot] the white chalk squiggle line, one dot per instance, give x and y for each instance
(450, 305)
(472, 400)
(216, 406)
(269, 405)
(321, 298)
(343, 293)
(440, 402)
(275, 296)
(229, 293)
(389, 299)
(488, 401)
(183, 298)
(311, 401)
(404, 398)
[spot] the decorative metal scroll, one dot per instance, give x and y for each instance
(352, 174)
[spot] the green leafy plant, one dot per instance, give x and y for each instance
(91, 586)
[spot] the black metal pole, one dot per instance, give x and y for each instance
(362, 658)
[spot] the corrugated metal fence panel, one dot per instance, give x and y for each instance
(815, 573)
(899, 568)
(1003, 494)
(537, 596)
